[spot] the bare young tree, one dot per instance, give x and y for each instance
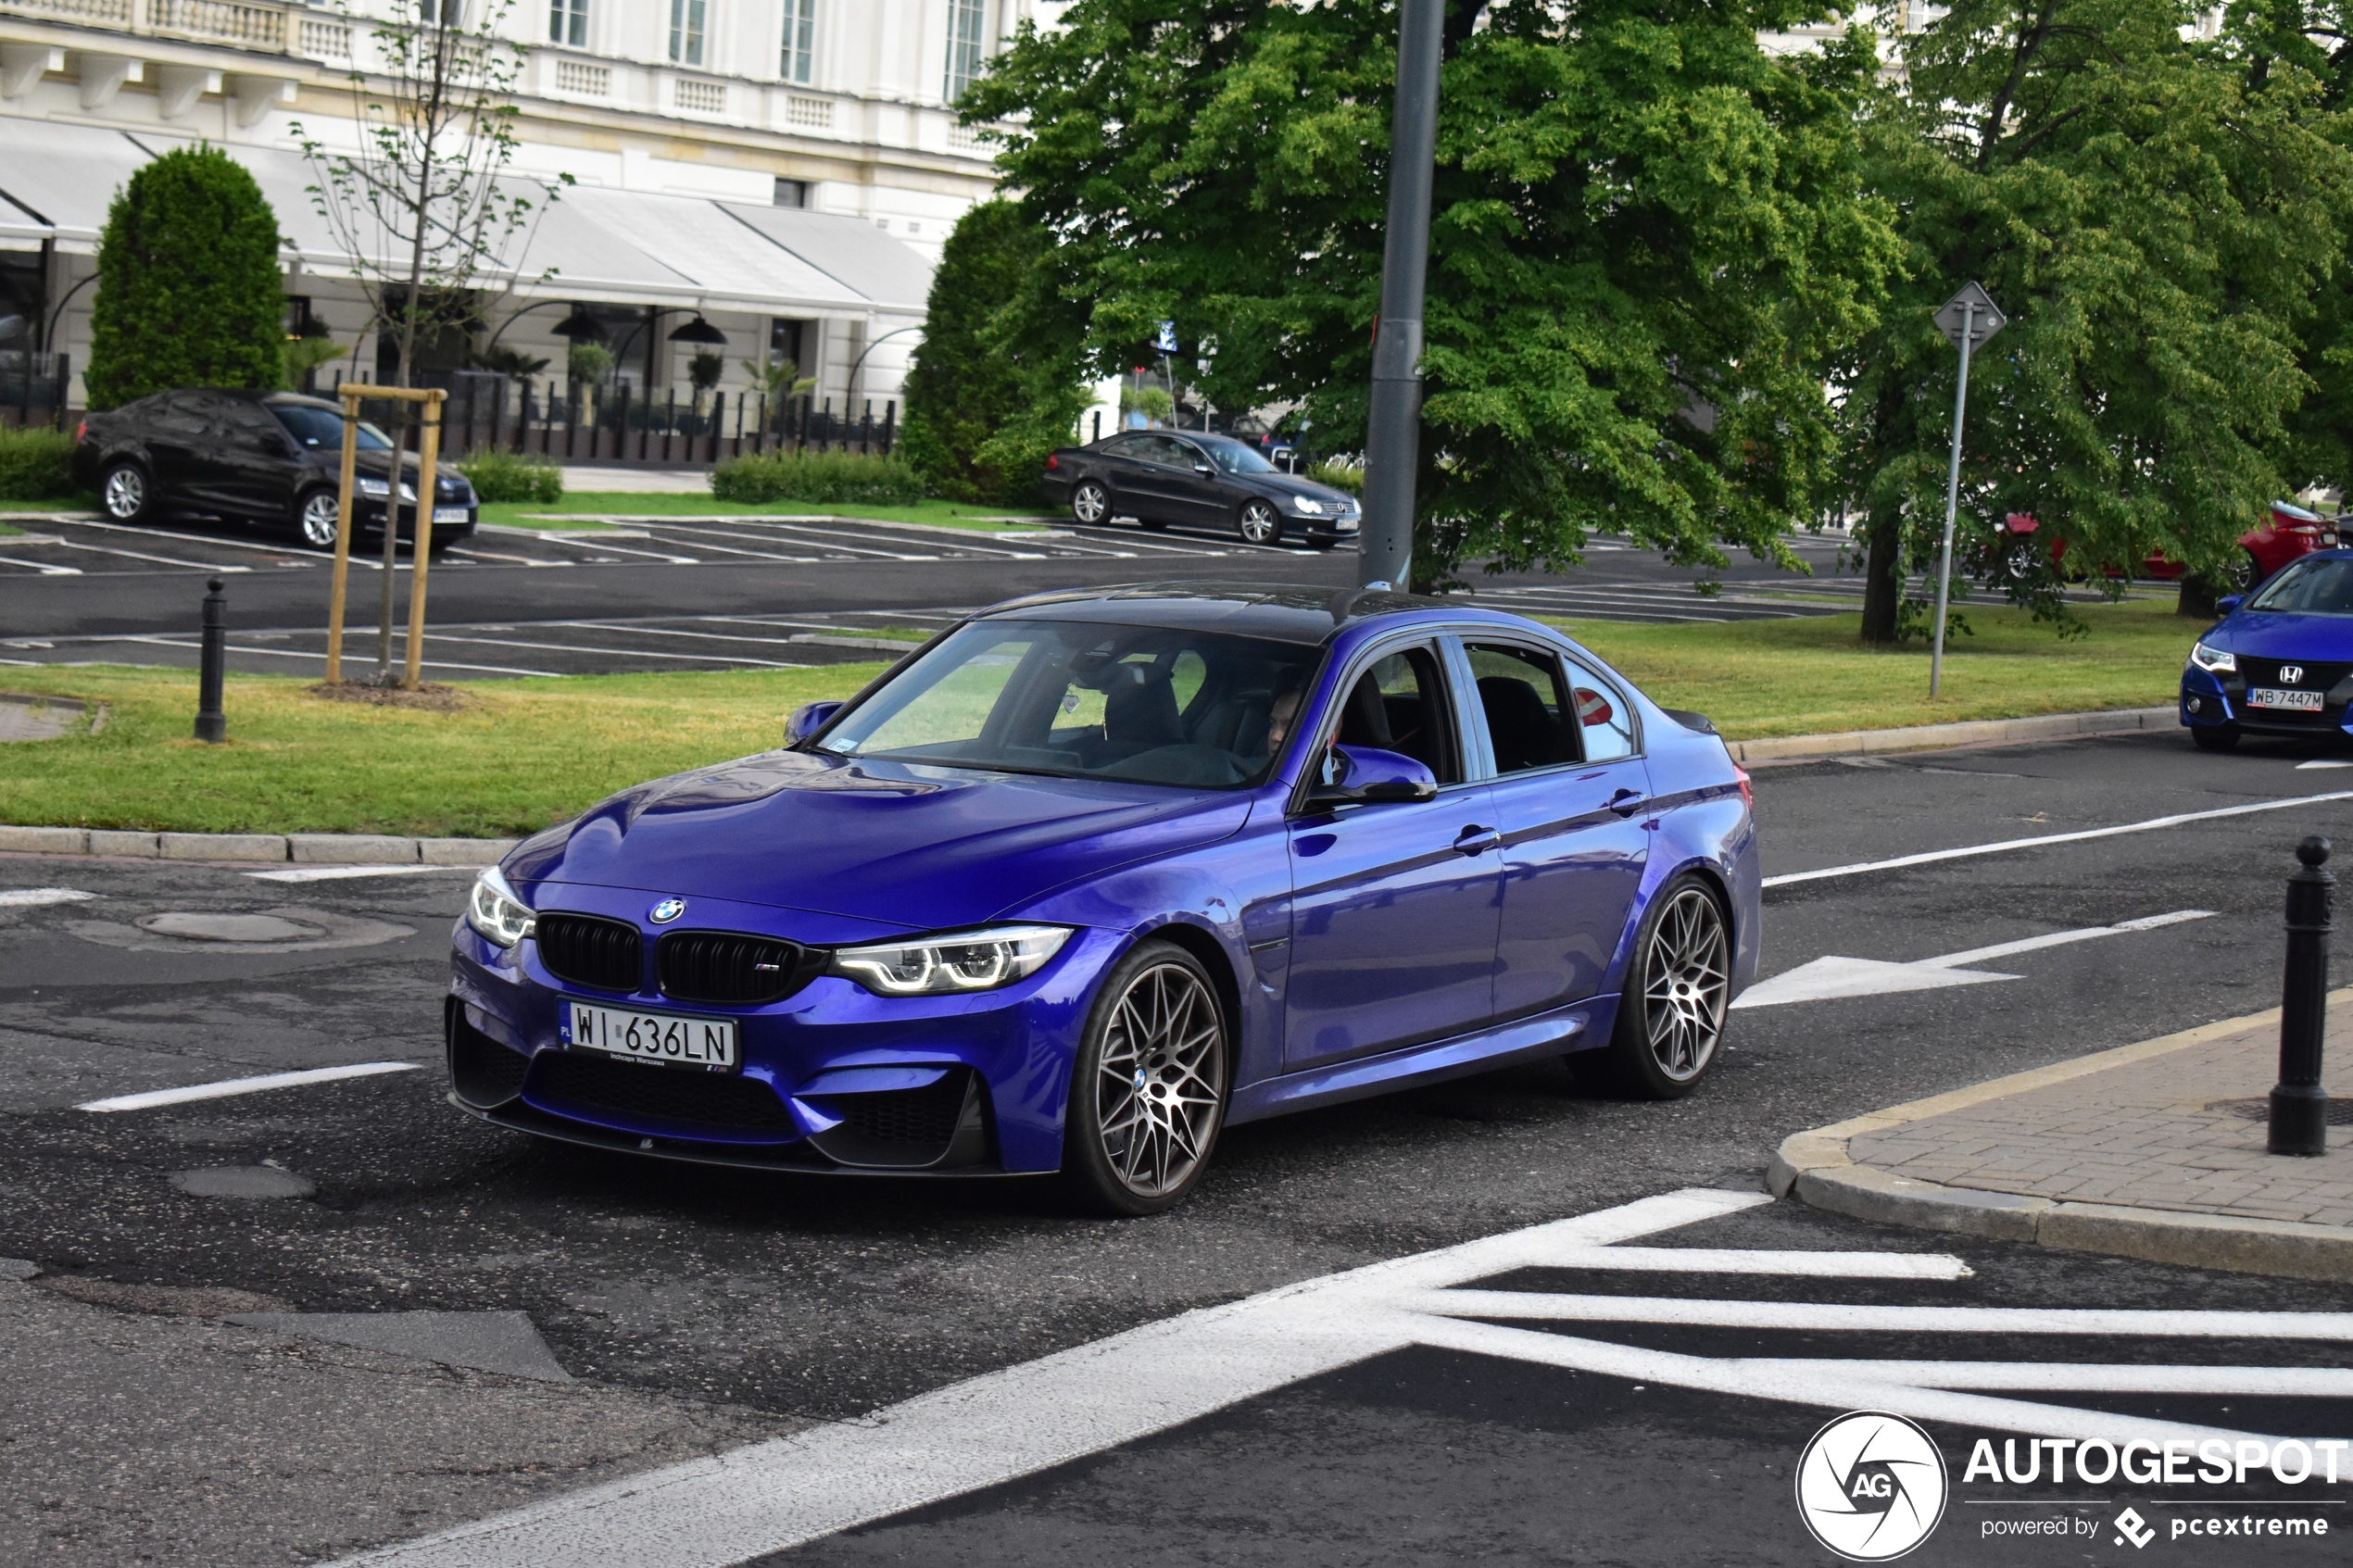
(419, 198)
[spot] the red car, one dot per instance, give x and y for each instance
(2291, 532)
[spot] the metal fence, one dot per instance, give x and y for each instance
(33, 387)
(588, 423)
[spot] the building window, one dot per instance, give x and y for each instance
(963, 46)
(800, 40)
(791, 192)
(686, 31)
(568, 22)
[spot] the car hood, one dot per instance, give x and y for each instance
(922, 848)
(378, 464)
(1291, 485)
(2276, 634)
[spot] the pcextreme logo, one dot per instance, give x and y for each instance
(1871, 1486)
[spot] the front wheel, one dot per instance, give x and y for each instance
(1148, 1091)
(317, 521)
(1090, 503)
(2215, 737)
(1670, 1018)
(1258, 523)
(126, 492)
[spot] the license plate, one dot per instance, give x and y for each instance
(449, 514)
(2272, 696)
(653, 1036)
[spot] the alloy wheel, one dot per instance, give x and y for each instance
(1260, 523)
(125, 494)
(1160, 1087)
(1685, 979)
(1088, 503)
(319, 520)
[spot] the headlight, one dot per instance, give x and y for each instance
(376, 488)
(2214, 661)
(1306, 506)
(969, 961)
(407, 491)
(495, 912)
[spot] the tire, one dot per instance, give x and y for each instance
(2245, 573)
(315, 520)
(1090, 503)
(1148, 1091)
(1258, 522)
(2216, 737)
(126, 492)
(1670, 1016)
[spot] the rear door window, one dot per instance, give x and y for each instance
(1522, 696)
(1604, 719)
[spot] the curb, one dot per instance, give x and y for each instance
(1925, 737)
(299, 848)
(1814, 1165)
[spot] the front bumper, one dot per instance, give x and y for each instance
(2209, 700)
(369, 515)
(830, 1078)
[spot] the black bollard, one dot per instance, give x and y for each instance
(211, 723)
(2300, 1106)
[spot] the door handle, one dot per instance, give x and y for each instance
(1626, 802)
(1476, 840)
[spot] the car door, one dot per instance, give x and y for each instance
(1117, 463)
(1570, 792)
(1205, 491)
(255, 461)
(177, 437)
(1159, 489)
(1393, 904)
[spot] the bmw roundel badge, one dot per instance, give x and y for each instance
(667, 910)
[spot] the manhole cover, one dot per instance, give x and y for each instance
(2340, 1111)
(230, 928)
(243, 1181)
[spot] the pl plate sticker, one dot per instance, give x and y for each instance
(1871, 1486)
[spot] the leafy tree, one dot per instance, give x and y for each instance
(997, 382)
(189, 288)
(2154, 220)
(1650, 240)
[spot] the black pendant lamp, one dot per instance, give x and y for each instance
(699, 330)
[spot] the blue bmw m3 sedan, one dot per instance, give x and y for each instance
(2280, 662)
(1090, 876)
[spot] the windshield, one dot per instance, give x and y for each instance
(2316, 585)
(1235, 458)
(321, 427)
(1148, 704)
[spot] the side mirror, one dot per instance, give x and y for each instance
(808, 719)
(2228, 603)
(1366, 775)
(1203, 468)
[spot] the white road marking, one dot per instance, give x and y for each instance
(229, 1087)
(770, 1497)
(2003, 846)
(2090, 1378)
(432, 662)
(340, 874)
(33, 897)
(44, 570)
(2318, 762)
(1831, 975)
(142, 555)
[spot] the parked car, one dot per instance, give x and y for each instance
(2290, 533)
(273, 459)
(1165, 476)
(1093, 875)
(2278, 662)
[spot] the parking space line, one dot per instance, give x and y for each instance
(176, 537)
(456, 637)
(35, 897)
(430, 662)
(341, 874)
(141, 555)
(599, 542)
(697, 535)
(2167, 1322)
(230, 1087)
(39, 567)
(670, 631)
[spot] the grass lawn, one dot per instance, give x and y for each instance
(947, 514)
(1761, 678)
(522, 754)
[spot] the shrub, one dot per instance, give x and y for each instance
(189, 288)
(836, 477)
(36, 465)
(1338, 475)
(512, 476)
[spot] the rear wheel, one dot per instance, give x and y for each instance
(1670, 1018)
(1090, 503)
(127, 494)
(2215, 737)
(1148, 1091)
(2245, 573)
(1258, 522)
(315, 520)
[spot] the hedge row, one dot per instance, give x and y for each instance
(835, 478)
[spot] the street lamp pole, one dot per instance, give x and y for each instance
(1392, 426)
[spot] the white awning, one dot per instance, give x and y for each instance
(629, 247)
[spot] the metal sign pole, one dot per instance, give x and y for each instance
(1952, 503)
(1394, 424)
(343, 538)
(421, 548)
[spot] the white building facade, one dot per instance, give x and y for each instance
(785, 168)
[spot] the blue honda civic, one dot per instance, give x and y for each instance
(1090, 876)
(2277, 663)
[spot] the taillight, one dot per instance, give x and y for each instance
(1748, 789)
(1053, 462)
(81, 430)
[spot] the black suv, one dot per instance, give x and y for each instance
(262, 457)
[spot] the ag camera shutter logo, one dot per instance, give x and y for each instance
(1871, 1486)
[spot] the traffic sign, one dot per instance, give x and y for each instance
(1974, 305)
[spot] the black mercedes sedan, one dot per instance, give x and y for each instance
(1164, 476)
(270, 458)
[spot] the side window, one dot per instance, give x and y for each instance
(1399, 704)
(1159, 450)
(1608, 731)
(1185, 455)
(1522, 697)
(185, 414)
(249, 427)
(1128, 446)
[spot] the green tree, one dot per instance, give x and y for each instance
(2156, 219)
(998, 381)
(189, 287)
(1650, 241)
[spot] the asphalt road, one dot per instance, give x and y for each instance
(699, 1310)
